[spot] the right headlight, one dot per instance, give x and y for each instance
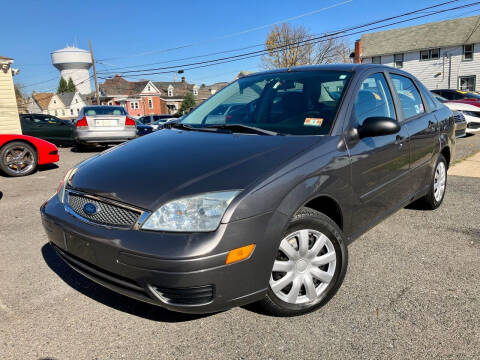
(199, 213)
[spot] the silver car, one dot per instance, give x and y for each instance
(103, 125)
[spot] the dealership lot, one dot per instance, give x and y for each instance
(412, 291)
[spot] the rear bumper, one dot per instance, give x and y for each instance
(92, 136)
(180, 272)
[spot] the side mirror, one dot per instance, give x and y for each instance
(378, 126)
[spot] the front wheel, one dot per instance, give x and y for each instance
(310, 265)
(18, 159)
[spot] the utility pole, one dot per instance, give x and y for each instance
(97, 96)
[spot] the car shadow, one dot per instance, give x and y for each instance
(108, 297)
(89, 149)
(417, 205)
(47, 167)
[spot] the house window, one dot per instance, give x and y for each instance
(376, 60)
(148, 88)
(56, 113)
(63, 112)
(467, 82)
(71, 111)
(195, 91)
(109, 103)
(150, 103)
(170, 92)
(134, 104)
(76, 101)
(398, 60)
(468, 52)
(77, 111)
(430, 54)
(54, 101)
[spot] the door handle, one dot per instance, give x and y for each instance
(399, 141)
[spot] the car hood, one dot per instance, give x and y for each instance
(461, 106)
(169, 164)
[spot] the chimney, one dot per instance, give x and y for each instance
(357, 59)
(183, 79)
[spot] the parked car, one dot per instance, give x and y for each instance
(460, 124)
(156, 121)
(20, 155)
(143, 129)
(103, 125)
(459, 96)
(47, 127)
(262, 207)
(470, 113)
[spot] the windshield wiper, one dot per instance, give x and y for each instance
(179, 125)
(244, 129)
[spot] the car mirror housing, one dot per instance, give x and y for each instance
(378, 126)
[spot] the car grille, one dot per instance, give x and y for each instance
(185, 296)
(106, 214)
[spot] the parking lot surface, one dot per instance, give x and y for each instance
(412, 290)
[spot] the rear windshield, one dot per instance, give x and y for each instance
(107, 110)
(289, 103)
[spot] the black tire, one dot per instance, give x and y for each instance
(429, 200)
(25, 165)
(307, 218)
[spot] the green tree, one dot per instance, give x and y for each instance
(71, 86)
(188, 103)
(62, 86)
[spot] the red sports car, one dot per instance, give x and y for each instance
(21, 154)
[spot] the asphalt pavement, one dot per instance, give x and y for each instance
(412, 291)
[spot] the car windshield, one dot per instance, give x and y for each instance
(439, 98)
(104, 110)
(289, 103)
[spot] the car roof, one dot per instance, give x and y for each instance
(103, 106)
(327, 67)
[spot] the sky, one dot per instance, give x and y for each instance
(143, 32)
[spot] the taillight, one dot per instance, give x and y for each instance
(82, 122)
(129, 121)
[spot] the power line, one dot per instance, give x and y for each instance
(313, 40)
(234, 34)
(308, 41)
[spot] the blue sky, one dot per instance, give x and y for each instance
(140, 32)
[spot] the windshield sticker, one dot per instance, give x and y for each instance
(313, 122)
(461, 92)
(376, 96)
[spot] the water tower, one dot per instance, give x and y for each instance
(74, 63)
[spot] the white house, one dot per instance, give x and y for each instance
(66, 105)
(443, 55)
(9, 121)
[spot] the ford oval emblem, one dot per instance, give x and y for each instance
(89, 209)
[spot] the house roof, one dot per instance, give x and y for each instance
(66, 98)
(42, 99)
(426, 36)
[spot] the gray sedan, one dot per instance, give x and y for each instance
(103, 125)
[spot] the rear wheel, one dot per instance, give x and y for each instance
(436, 192)
(309, 267)
(18, 159)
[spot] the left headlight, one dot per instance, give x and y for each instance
(199, 213)
(63, 184)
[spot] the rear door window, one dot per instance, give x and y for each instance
(410, 99)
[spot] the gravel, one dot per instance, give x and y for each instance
(411, 291)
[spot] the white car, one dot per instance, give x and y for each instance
(471, 113)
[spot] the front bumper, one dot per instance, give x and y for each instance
(183, 272)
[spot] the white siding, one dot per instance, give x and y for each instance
(434, 74)
(9, 120)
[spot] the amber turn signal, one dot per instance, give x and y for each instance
(239, 254)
